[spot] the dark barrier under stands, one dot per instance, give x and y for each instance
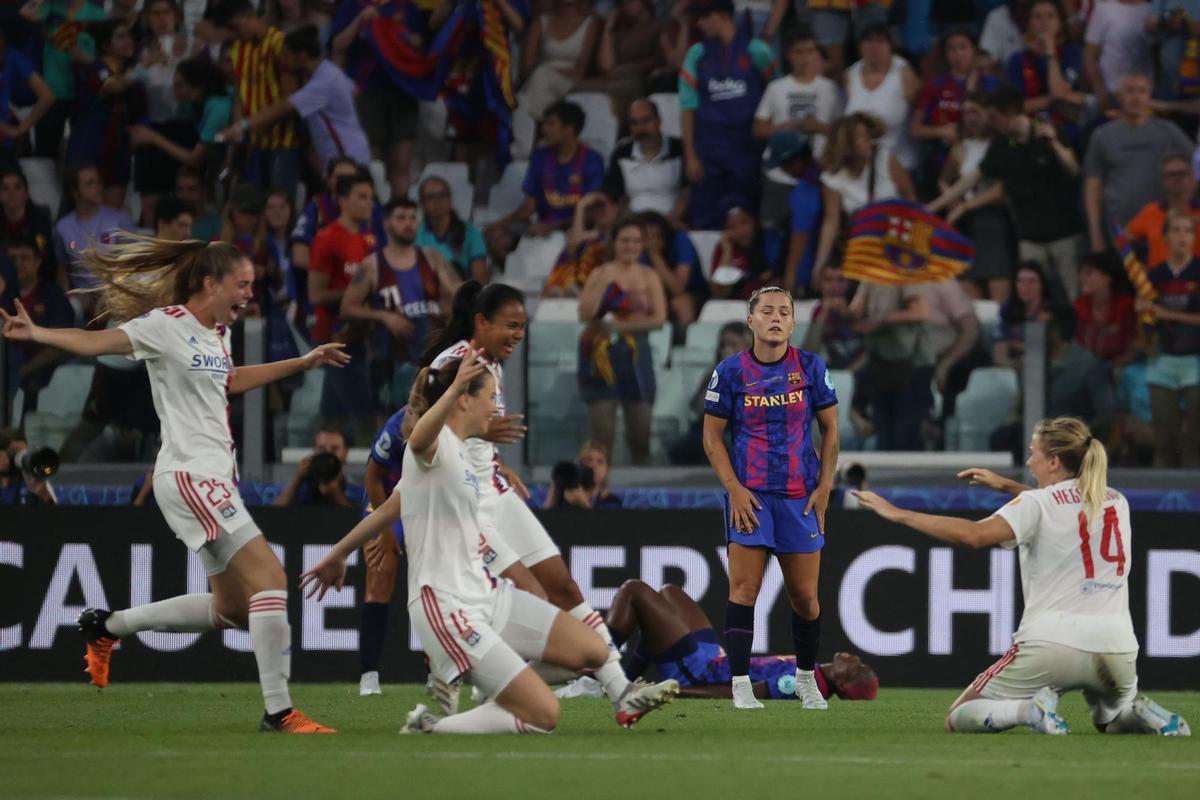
(922, 614)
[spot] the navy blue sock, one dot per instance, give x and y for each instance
(637, 662)
(371, 633)
(618, 638)
(739, 637)
(806, 635)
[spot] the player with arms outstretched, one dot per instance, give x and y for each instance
(1072, 535)
(777, 487)
(176, 301)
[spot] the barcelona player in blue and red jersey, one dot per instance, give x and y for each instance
(383, 473)
(777, 488)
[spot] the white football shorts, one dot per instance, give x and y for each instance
(507, 519)
(206, 514)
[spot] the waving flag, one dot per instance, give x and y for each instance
(420, 73)
(1136, 272)
(896, 242)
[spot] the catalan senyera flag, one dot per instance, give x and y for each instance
(420, 73)
(895, 242)
(1136, 271)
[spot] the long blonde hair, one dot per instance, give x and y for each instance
(142, 273)
(1080, 453)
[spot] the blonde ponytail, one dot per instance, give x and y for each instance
(418, 403)
(141, 273)
(1081, 454)
(429, 386)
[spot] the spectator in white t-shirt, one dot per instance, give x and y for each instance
(1116, 44)
(804, 101)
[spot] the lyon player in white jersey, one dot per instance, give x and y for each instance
(176, 301)
(1072, 535)
(468, 622)
(492, 320)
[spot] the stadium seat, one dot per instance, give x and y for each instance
(723, 311)
(843, 385)
(705, 243)
(557, 309)
(660, 346)
(983, 406)
(988, 314)
(529, 265)
(506, 195)
(670, 413)
(458, 176)
(59, 405)
(600, 124)
(668, 110)
(383, 189)
(44, 185)
(700, 344)
(305, 410)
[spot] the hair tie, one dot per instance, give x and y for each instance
(1088, 442)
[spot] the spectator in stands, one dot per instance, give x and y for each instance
(832, 333)
(291, 15)
(744, 259)
(84, 220)
(858, 169)
(459, 242)
(615, 361)
(883, 84)
(791, 206)
(66, 39)
(583, 484)
(1029, 302)
(205, 108)
(892, 320)
(25, 218)
(674, 259)
(174, 220)
(1002, 33)
(733, 338)
(679, 34)
(1048, 71)
(594, 456)
(588, 246)
(938, 112)
(557, 51)
(830, 20)
(1105, 322)
(31, 365)
(325, 101)
(107, 101)
(260, 79)
(561, 172)
(1116, 45)
(1174, 371)
(804, 101)
(984, 219)
(627, 53)
(720, 86)
(951, 343)
(1179, 192)
(646, 171)
(337, 252)
(279, 215)
(322, 209)
(21, 85)
(246, 230)
(320, 479)
(1124, 156)
(189, 188)
(17, 488)
(1171, 25)
(1079, 383)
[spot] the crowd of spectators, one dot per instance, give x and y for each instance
(1058, 136)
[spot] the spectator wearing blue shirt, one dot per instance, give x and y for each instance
(460, 243)
(1048, 70)
(1171, 24)
(791, 206)
(673, 256)
(31, 365)
(323, 209)
(560, 173)
(321, 477)
(20, 85)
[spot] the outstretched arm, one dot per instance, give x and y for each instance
(955, 530)
(19, 327)
(331, 570)
(247, 378)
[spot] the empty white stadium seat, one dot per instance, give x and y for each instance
(557, 308)
(59, 405)
(668, 110)
(305, 409)
(383, 189)
(843, 385)
(458, 176)
(723, 311)
(600, 123)
(529, 265)
(506, 195)
(984, 405)
(705, 243)
(988, 314)
(44, 186)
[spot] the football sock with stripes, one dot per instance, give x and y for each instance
(271, 637)
(989, 716)
(611, 676)
(739, 637)
(806, 636)
(187, 613)
(371, 633)
(591, 617)
(487, 718)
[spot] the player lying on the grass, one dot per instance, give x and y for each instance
(679, 639)
(176, 301)
(467, 621)
(1073, 538)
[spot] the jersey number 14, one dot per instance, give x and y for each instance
(1111, 533)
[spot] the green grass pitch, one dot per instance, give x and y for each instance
(167, 741)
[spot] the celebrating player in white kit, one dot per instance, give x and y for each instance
(492, 319)
(1073, 540)
(467, 621)
(176, 301)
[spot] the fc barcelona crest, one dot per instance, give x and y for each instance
(795, 377)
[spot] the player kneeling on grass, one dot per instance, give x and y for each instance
(679, 639)
(176, 301)
(1073, 539)
(467, 621)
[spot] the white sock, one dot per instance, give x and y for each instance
(187, 613)
(989, 716)
(271, 637)
(591, 617)
(487, 718)
(611, 676)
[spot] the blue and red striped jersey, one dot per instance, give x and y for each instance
(1178, 291)
(770, 409)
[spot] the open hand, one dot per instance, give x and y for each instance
(506, 430)
(873, 502)
(18, 327)
(329, 572)
(329, 354)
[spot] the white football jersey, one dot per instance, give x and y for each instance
(481, 453)
(1074, 569)
(445, 545)
(190, 372)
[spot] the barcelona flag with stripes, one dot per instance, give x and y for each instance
(419, 73)
(895, 242)
(1136, 271)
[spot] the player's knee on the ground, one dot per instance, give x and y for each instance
(544, 713)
